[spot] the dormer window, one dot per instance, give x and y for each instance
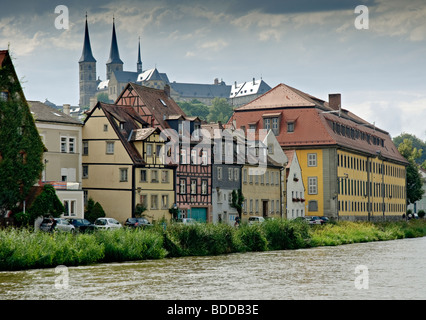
(290, 126)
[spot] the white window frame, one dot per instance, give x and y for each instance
(312, 160)
(312, 185)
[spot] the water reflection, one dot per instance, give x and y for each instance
(395, 271)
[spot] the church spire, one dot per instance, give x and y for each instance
(114, 55)
(86, 55)
(139, 63)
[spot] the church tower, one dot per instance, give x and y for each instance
(139, 63)
(114, 62)
(87, 71)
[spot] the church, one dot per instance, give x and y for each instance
(116, 80)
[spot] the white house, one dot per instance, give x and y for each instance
(295, 187)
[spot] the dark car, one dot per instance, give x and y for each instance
(137, 223)
(82, 225)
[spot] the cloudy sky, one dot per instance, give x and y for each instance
(314, 46)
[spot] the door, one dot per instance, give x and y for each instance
(265, 208)
(199, 214)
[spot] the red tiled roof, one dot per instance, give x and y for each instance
(313, 124)
(3, 54)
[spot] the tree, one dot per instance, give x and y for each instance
(237, 201)
(46, 204)
(21, 148)
(93, 210)
(414, 179)
(416, 142)
(194, 108)
(220, 110)
(103, 97)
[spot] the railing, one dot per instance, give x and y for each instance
(59, 185)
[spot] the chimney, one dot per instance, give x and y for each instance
(216, 81)
(66, 109)
(254, 81)
(167, 90)
(335, 101)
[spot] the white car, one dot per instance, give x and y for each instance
(253, 220)
(107, 223)
(56, 224)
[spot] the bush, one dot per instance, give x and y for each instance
(284, 234)
(421, 213)
(252, 238)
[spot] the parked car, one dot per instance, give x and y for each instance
(107, 223)
(313, 220)
(82, 225)
(253, 220)
(325, 219)
(137, 223)
(56, 224)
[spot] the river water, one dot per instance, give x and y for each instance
(374, 270)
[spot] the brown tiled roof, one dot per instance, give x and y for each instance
(155, 103)
(3, 54)
(43, 113)
(313, 123)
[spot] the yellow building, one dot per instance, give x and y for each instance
(122, 164)
(262, 189)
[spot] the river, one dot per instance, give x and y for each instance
(375, 270)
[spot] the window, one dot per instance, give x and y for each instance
(154, 201)
(109, 147)
(149, 150)
(158, 149)
(230, 174)
(123, 174)
(245, 176)
(257, 205)
(144, 175)
(182, 186)
(193, 186)
(312, 185)
(204, 158)
(85, 148)
(203, 186)
(71, 145)
(105, 127)
(64, 145)
(290, 126)
(164, 201)
(154, 175)
(236, 174)
(312, 159)
(183, 156)
(251, 205)
(277, 207)
(194, 156)
(219, 173)
(275, 126)
(70, 206)
(313, 205)
(85, 172)
(267, 123)
(164, 176)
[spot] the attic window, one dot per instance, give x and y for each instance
(162, 101)
(57, 114)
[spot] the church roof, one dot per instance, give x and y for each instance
(86, 55)
(125, 76)
(152, 74)
(114, 55)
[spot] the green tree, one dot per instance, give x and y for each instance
(416, 142)
(93, 210)
(237, 201)
(21, 149)
(46, 204)
(103, 97)
(194, 108)
(414, 179)
(220, 110)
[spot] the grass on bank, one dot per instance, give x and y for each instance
(25, 249)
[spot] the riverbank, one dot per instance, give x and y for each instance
(23, 249)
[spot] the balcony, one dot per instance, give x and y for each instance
(60, 185)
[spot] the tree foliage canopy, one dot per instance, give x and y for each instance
(21, 149)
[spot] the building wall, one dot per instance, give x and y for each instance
(104, 182)
(364, 191)
(223, 183)
(295, 190)
(259, 191)
(314, 204)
